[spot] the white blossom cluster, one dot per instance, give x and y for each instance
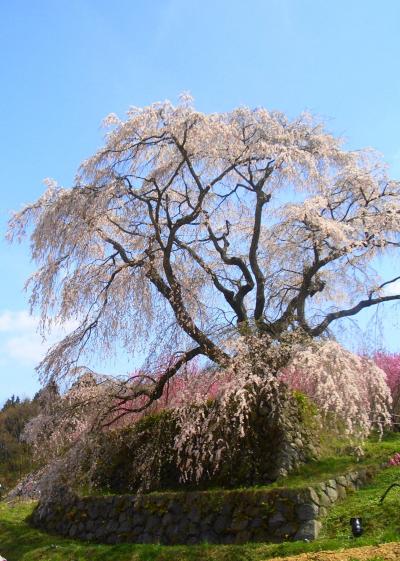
(207, 437)
(349, 390)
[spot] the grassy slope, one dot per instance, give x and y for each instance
(19, 542)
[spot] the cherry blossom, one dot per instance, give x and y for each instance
(186, 231)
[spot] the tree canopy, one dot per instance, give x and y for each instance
(187, 230)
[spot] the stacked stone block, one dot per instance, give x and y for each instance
(223, 517)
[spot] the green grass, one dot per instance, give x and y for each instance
(382, 521)
(377, 452)
(20, 542)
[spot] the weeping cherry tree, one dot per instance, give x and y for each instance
(189, 231)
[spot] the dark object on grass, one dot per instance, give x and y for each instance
(356, 527)
(387, 491)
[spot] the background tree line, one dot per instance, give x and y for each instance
(16, 458)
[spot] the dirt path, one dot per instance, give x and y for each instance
(386, 551)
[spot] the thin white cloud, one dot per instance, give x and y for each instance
(17, 321)
(27, 349)
(20, 342)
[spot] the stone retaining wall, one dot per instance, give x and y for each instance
(189, 518)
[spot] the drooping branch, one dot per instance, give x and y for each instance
(234, 261)
(319, 329)
(174, 297)
(152, 391)
(235, 301)
(173, 294)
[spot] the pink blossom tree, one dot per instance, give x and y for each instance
(390, 364)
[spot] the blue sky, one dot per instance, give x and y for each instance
(66, 64)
